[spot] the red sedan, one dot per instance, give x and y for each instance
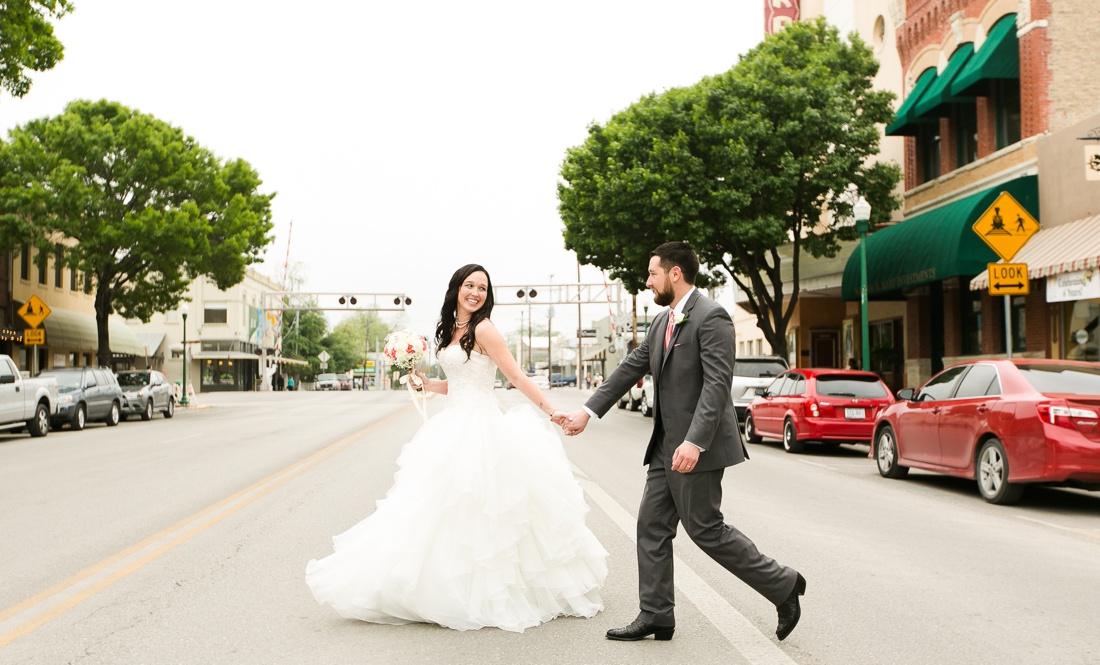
(827, 405)
(1005, 423)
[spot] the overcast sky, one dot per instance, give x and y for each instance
(403, 139)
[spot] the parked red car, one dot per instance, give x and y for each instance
(826, 405)
(1005, 423)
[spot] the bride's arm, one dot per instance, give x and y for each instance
(432, 385)
(490, 339)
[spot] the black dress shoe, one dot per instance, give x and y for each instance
(789, 610)
(640, 630)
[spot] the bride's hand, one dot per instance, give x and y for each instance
(419, 381)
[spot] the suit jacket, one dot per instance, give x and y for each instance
(691, 380)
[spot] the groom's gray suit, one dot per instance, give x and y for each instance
(692, 403)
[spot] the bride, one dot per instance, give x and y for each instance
(484, 524)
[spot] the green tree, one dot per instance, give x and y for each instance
(27, 41)
(303, 334)
(358, 334)
(136, 206)
(742, 164)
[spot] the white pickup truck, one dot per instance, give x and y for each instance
(25, 402)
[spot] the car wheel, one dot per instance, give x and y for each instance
(646, 411)
(40, 424)
(170, 410)
(886, 454)
(147, 414)
(80, 418)
(992, 475)
(790, 438)
(113, 416)
(622, 403)
(750, 430)
(635, 404)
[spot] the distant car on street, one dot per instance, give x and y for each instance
(750, 373)
(147, 391)
(1003, 423)
(345, 381)
(557, 380)
(86, 393)
(327, 382)
(541, 381)
(633, 397)
(817, 405)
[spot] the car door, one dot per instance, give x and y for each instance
(768, 411)
(11, 397)
(965, 416)
(918, 424)
(93, 395)
(793, 399)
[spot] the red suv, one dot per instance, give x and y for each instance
(825, 405)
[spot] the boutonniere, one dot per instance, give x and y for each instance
(680, 317)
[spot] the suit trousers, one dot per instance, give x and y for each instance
(694, 500)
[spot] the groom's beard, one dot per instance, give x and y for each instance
(665, 296)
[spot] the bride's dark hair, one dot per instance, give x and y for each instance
(445, 329)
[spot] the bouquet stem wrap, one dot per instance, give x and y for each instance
(406, 350)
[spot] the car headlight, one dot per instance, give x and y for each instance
(65, 399)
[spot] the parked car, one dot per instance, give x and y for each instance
(147, 391)
(86, 394)
(541, 381)
(750, 373)
(557, 380)
(646, 402)
(1003, 423)
(327, 382)
(344, 381)
(633, 397)
(821, 405)
(25, 403)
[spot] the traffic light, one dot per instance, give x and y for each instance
(344, 300)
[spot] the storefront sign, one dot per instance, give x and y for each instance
(1080, 285)
(1092, 161)
(778, 14)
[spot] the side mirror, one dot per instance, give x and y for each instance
(763, 392)
(907, 394)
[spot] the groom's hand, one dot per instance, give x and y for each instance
(574, 422)
(685, 457)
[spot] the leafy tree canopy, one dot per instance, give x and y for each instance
(133, 204)
(739, 165)
(27, 41)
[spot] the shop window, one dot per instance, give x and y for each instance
(215, 312)
(58, 266)
(1081, 320)
(928, 148)
(970, 321)
(1018, 312)
(1006, 111)
(87, 283)
(965, 122)
(41, 269)
(74, 280)
(25, 263)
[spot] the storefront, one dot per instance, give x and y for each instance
(221, 371)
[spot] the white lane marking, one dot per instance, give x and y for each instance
(183, 438)
(1044, 523)
(818, 464)
(738, 631)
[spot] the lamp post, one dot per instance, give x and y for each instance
(862, 211)
(645, 318)
(183, 393)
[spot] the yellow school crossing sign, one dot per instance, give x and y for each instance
(1006, 226)
(34, 311)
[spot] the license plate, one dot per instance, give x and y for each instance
(859, 414)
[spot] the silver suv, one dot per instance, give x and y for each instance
(750, 373)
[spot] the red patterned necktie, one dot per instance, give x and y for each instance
(669, 327)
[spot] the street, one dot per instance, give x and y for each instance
(186, 540)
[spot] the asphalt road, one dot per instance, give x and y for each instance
(185, 541)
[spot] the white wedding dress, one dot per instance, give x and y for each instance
(484, 525)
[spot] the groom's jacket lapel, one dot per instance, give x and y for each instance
(676, 331)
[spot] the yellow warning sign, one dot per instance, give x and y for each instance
(34, 336)
(1008, 279)
(34, 311)
(1006, 226)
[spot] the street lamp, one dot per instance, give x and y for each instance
(183, 393)
(862, 211)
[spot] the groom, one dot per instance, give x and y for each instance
(689, 351)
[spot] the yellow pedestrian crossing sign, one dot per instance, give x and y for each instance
(34, 311)
(1006, 226)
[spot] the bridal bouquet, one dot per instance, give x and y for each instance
(406, 350)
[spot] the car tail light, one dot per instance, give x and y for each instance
(1070, 417)
(640, 382)
(811, 405)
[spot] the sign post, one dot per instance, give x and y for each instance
(34, 312)
(1005, 226)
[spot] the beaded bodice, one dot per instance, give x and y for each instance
(469, 382)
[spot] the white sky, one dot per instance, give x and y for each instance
(403, 139)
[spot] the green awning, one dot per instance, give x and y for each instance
(998, 58)
(67, 330)
(905, 120)
(937, 99)
(932, 246)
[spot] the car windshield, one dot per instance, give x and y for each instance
(326, 377)
(839, 385)
(133, 379)
(1055, 378)
(757, 367)
(66, 381)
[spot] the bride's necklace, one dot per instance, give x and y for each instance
(462, 324)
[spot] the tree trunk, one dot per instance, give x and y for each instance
(102, 314)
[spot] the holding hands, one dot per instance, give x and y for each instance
(572, 423)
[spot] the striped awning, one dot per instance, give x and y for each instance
(1055, 250)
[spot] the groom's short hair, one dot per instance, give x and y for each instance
(679, 254)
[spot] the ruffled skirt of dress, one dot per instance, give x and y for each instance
(484, 526)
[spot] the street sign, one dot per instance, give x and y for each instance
(1008, 279)
(1006, 226)
(34, 311)
(34, 336)
(324, 365)
(588, 332)
(323, 356)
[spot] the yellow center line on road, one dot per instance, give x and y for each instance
(32, 613)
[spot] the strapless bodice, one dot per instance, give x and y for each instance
(469, 381)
